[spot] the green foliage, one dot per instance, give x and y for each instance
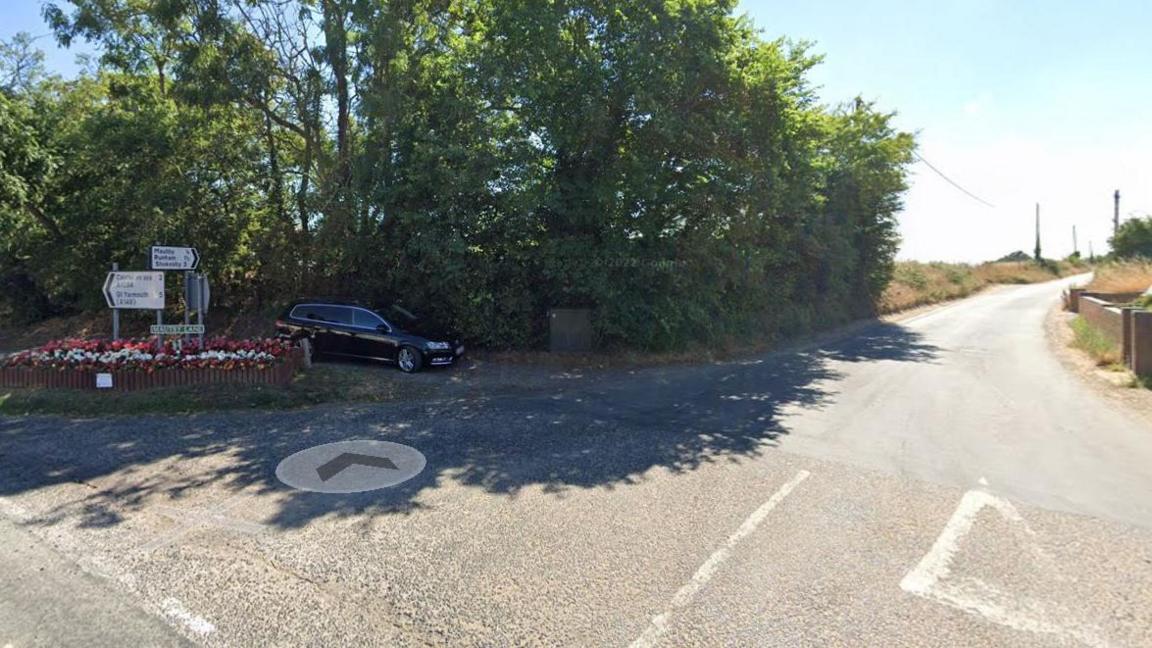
(1133, 239)
(911, 275)
(657, 161)
(1015, 257)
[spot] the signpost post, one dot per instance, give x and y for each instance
(115, 312)
(145, 291)
(170, 257)
(202, 294)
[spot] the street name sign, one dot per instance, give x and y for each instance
(166, 257)
(138, 290)
(176, 329)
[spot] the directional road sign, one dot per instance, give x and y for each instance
(139, 290)
(166, 257)
(176, 329)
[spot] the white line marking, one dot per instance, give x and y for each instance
(937, 563)
(707, 570)
(972, 595)
(211, 518)
(196, 624)
(197, 519)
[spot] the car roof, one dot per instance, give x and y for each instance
(328, 301)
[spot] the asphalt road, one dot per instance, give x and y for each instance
(940, 482)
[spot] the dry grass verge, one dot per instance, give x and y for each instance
(1122, 277)
(917, 284)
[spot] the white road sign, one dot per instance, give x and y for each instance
(140, 290)
(176, 329)
(166, 257)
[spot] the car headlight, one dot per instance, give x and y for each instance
(439, 345)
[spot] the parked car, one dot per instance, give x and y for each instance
(347, 329)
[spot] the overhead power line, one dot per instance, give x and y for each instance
(952, 182)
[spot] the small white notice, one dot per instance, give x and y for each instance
(103, 381)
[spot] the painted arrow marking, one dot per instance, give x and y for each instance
(336, 466)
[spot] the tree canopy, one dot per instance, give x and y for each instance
(656, 160)
(1133, 239)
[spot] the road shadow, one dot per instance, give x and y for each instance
(601, 430)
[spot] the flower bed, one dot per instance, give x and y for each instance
(141, 364)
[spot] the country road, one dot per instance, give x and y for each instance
(943, 481)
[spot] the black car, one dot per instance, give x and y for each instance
(347, 329)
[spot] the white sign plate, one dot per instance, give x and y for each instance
(139, 290)
(166, 257)
(176, 329)
(103, 381)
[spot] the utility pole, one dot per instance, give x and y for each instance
(1075, 246)
(1091, 255)
(1116, 213)
(1038, 257)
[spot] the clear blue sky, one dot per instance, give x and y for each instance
(1020, 102)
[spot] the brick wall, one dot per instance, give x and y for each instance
(1104, 317)
(279, 374)
(1073, 295)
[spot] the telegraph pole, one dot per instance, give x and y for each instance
(1038, 257)
(1075, 246)
(1116, 213)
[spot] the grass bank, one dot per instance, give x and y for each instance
(918, 284)
(1122, 277)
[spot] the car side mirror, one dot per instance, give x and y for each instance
(383, 328)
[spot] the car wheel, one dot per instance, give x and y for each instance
(409, 359)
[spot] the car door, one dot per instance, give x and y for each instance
(319, 319)
(341, 330)
(371, 340)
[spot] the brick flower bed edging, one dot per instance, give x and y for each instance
(278, 374)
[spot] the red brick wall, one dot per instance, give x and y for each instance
(1103, 316)
(280, 374)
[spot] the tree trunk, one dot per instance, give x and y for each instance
(336, 49)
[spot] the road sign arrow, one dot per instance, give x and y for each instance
(334, 467)
(108, 289)
(136, 290)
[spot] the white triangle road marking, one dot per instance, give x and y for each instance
(933, 579)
